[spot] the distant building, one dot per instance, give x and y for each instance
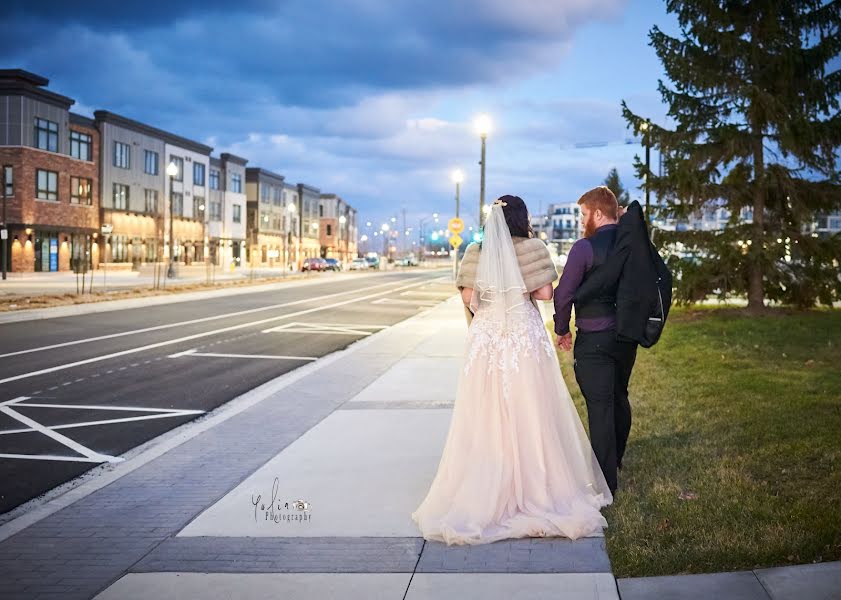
(49, 158)
(269, 222)
(308, 199)
(137, 196)
(338, 230)
(828, 225)
(226, 212)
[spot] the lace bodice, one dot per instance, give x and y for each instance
(506, 343)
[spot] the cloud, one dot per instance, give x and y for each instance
(365, 98)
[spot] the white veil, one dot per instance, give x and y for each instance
(499, 289)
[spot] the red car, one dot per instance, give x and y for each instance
(314, 264)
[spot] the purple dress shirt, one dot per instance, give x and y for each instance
(579, 261)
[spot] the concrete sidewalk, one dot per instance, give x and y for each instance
(212, 510)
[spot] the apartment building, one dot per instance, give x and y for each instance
(338, 231)
(308, 202)
(48, 162)
(226, 214)
(269, 243)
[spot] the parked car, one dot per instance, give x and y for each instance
(359, 264)
(333, 264)
(314, 264)
(373, 262)
(408, 261)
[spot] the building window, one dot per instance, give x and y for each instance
(80, 190)
(198, 174)
(179, 162)
(121, 196)
(264, 194)
(119, 248)
(80, 145)
(276, 196)
(236, 183)
(9, 172)
(150, 162)
(237, 213)
(213, 180)
(47, 185)
(320, 210)
(151, 201)
(215, 211)
(46, 135)
(122, 155)
(329, 229)
(178, 204)
(198, 208)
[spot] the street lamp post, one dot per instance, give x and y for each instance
(287, 236)
(172, 171)
(644, 127)
(458, 177)
(483, 127)
(342, 226)
(385, 229)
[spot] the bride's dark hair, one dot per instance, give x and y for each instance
(517, 216)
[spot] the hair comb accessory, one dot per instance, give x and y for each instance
(500, 202)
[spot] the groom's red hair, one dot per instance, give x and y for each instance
(601, 198)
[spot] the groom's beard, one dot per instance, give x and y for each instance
(590, 226)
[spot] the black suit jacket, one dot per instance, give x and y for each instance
(631, 272)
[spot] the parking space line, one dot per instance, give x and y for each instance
(325, 328)
(221, 355)
(86, 452)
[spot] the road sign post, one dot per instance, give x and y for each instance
(456, 226)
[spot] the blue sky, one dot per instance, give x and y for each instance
(369, 99)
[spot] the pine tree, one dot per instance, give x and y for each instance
(755, 100)
(612, 181)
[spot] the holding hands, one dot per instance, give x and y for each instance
(565, 342)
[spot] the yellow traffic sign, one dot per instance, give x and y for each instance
(456, 240)
(456, 225)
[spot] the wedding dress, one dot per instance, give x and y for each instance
(516, 461)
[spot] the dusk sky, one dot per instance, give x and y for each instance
(370, 99)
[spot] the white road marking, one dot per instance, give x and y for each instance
(53, 457)
(184, 323)
(325, 328)
(405, 302)
(202, 335)
(87, 455)
(217, 355)
(422, 293)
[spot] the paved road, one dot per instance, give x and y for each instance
(79, 391)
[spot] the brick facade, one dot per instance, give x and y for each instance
(52, 223)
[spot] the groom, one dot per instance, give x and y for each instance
(602, 363)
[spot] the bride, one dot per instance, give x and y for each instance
(516, 461)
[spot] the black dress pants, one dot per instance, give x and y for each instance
(602, 369)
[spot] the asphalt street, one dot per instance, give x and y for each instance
(79, 391)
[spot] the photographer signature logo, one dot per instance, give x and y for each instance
(279, 510)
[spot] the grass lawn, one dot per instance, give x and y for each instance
(734, 460)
